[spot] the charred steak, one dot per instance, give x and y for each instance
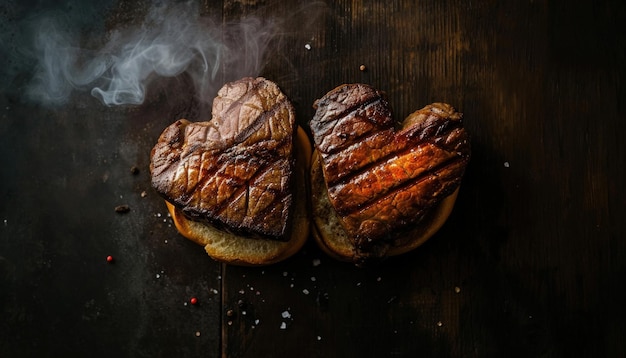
(381, 179)
(235, 171)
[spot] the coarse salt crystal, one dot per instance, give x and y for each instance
(285, 314)
(307, 46)
(256, 321)
(283, 325)
(305, 291)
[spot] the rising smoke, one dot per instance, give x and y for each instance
(171, 40)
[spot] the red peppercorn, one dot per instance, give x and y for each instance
(109, 258)
(193, 300)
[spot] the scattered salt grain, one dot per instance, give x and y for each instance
(308, 47)
(285, 314)
(316, 262)
(197, 333)
(305, 291)
(439, 324)
(256, 321)
(6, 222)
(506, 164)
(319, 338)
(214, 291)
(457, 289)
(313, 279)
(283, 325)
(285, 273)
(378, 279)
(241, 291)
(158, 276)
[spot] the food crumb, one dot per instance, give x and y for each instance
(457, 289)
(362, 68)
(144, 194)
(316, 262)
(197, 333)
(439, 324)
(193, 301)
(109, 258)
(230, 313)
(122, 209)
(134, 170)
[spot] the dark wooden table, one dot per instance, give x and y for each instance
(532, 262)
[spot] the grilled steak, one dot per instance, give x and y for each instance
(235, 171)
(381, 180)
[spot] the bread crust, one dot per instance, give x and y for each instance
(242, 251)
(332, 238)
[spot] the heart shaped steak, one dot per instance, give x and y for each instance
(235, 171)
(379, 179)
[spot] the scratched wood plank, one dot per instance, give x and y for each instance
(531, 263)
(526, 263)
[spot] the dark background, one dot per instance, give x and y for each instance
(532, 262)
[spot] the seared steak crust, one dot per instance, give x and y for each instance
(235, 171)
(379, 179)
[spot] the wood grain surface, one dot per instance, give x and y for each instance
(531, 263)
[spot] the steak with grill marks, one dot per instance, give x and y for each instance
(235, 171)
(380, 179)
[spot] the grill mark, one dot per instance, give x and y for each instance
(258, 121)
(405, 148)
(408, 183)
(337, 119)
(244, 185)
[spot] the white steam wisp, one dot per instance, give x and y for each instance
(171, 40)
